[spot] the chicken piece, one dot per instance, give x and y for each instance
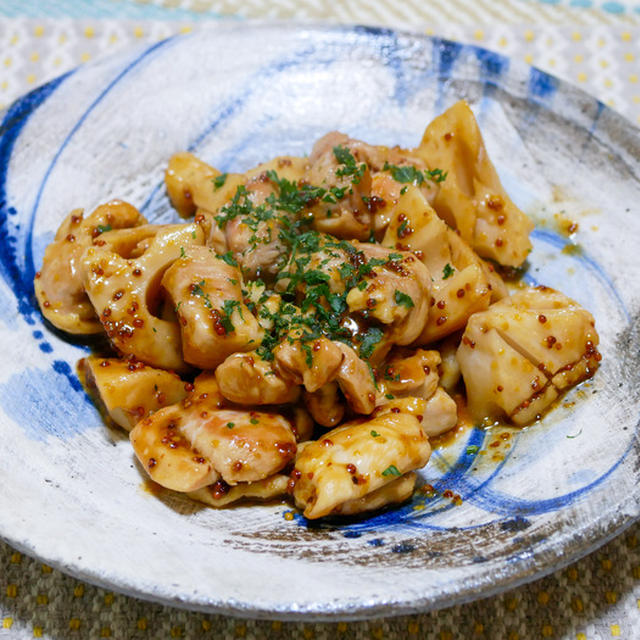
(214, 321)
(312, 364)
(325, 405)
(396, 292)
(396, 492)
(355, 460)
(516, 356)
(436, 414)
(130, 390)
(408, 373)
(356, 381)
(459, 279)
(471, 199)
(260, 212)
(246, 378)
(126, 293)
(220, 494)
(58, 285)
(336, 165)
(190, 445)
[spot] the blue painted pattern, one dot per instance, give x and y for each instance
(58, 386)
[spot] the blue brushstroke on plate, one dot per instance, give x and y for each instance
(48, 402)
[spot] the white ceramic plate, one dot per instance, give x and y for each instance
(237, 95)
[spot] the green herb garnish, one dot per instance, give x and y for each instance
(391, 470)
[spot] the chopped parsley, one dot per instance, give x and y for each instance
(472, 448)
(391, 470)
(229, 259)
(219, 181)
(374, 434)
(403, 299)
(182, 253)
(408, 174)
(254, 420)
(103, 227)
(349, 165)
(230, 425)
(226, 313)
(448, 271)
(369, 341)
(389, 396)
(197, 290)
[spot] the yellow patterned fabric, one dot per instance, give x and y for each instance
(595, 45)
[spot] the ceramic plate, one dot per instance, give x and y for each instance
(72, 493)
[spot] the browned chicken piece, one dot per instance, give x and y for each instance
(196, 443)
(356, 381)
(519, 354)
(397, 293)
(336, 164)
(126, 293)
(436, 414)
(253, 224)
(471, 199)
(207, 294)
(459, 279)
(325, 405)
(220, 494)
(59, 285)
(355, 460)
(246, 378)
(130, 390)
(410, 373)
(312, 364)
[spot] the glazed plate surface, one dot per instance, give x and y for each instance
(72, 493)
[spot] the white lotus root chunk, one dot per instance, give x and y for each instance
(355, 460)
(198, 442)
(125, 291)
(59, 285)
(214, 321)
(131, 390)
(471, 199)
(519, 354)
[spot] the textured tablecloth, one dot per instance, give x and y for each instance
(592, 43)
